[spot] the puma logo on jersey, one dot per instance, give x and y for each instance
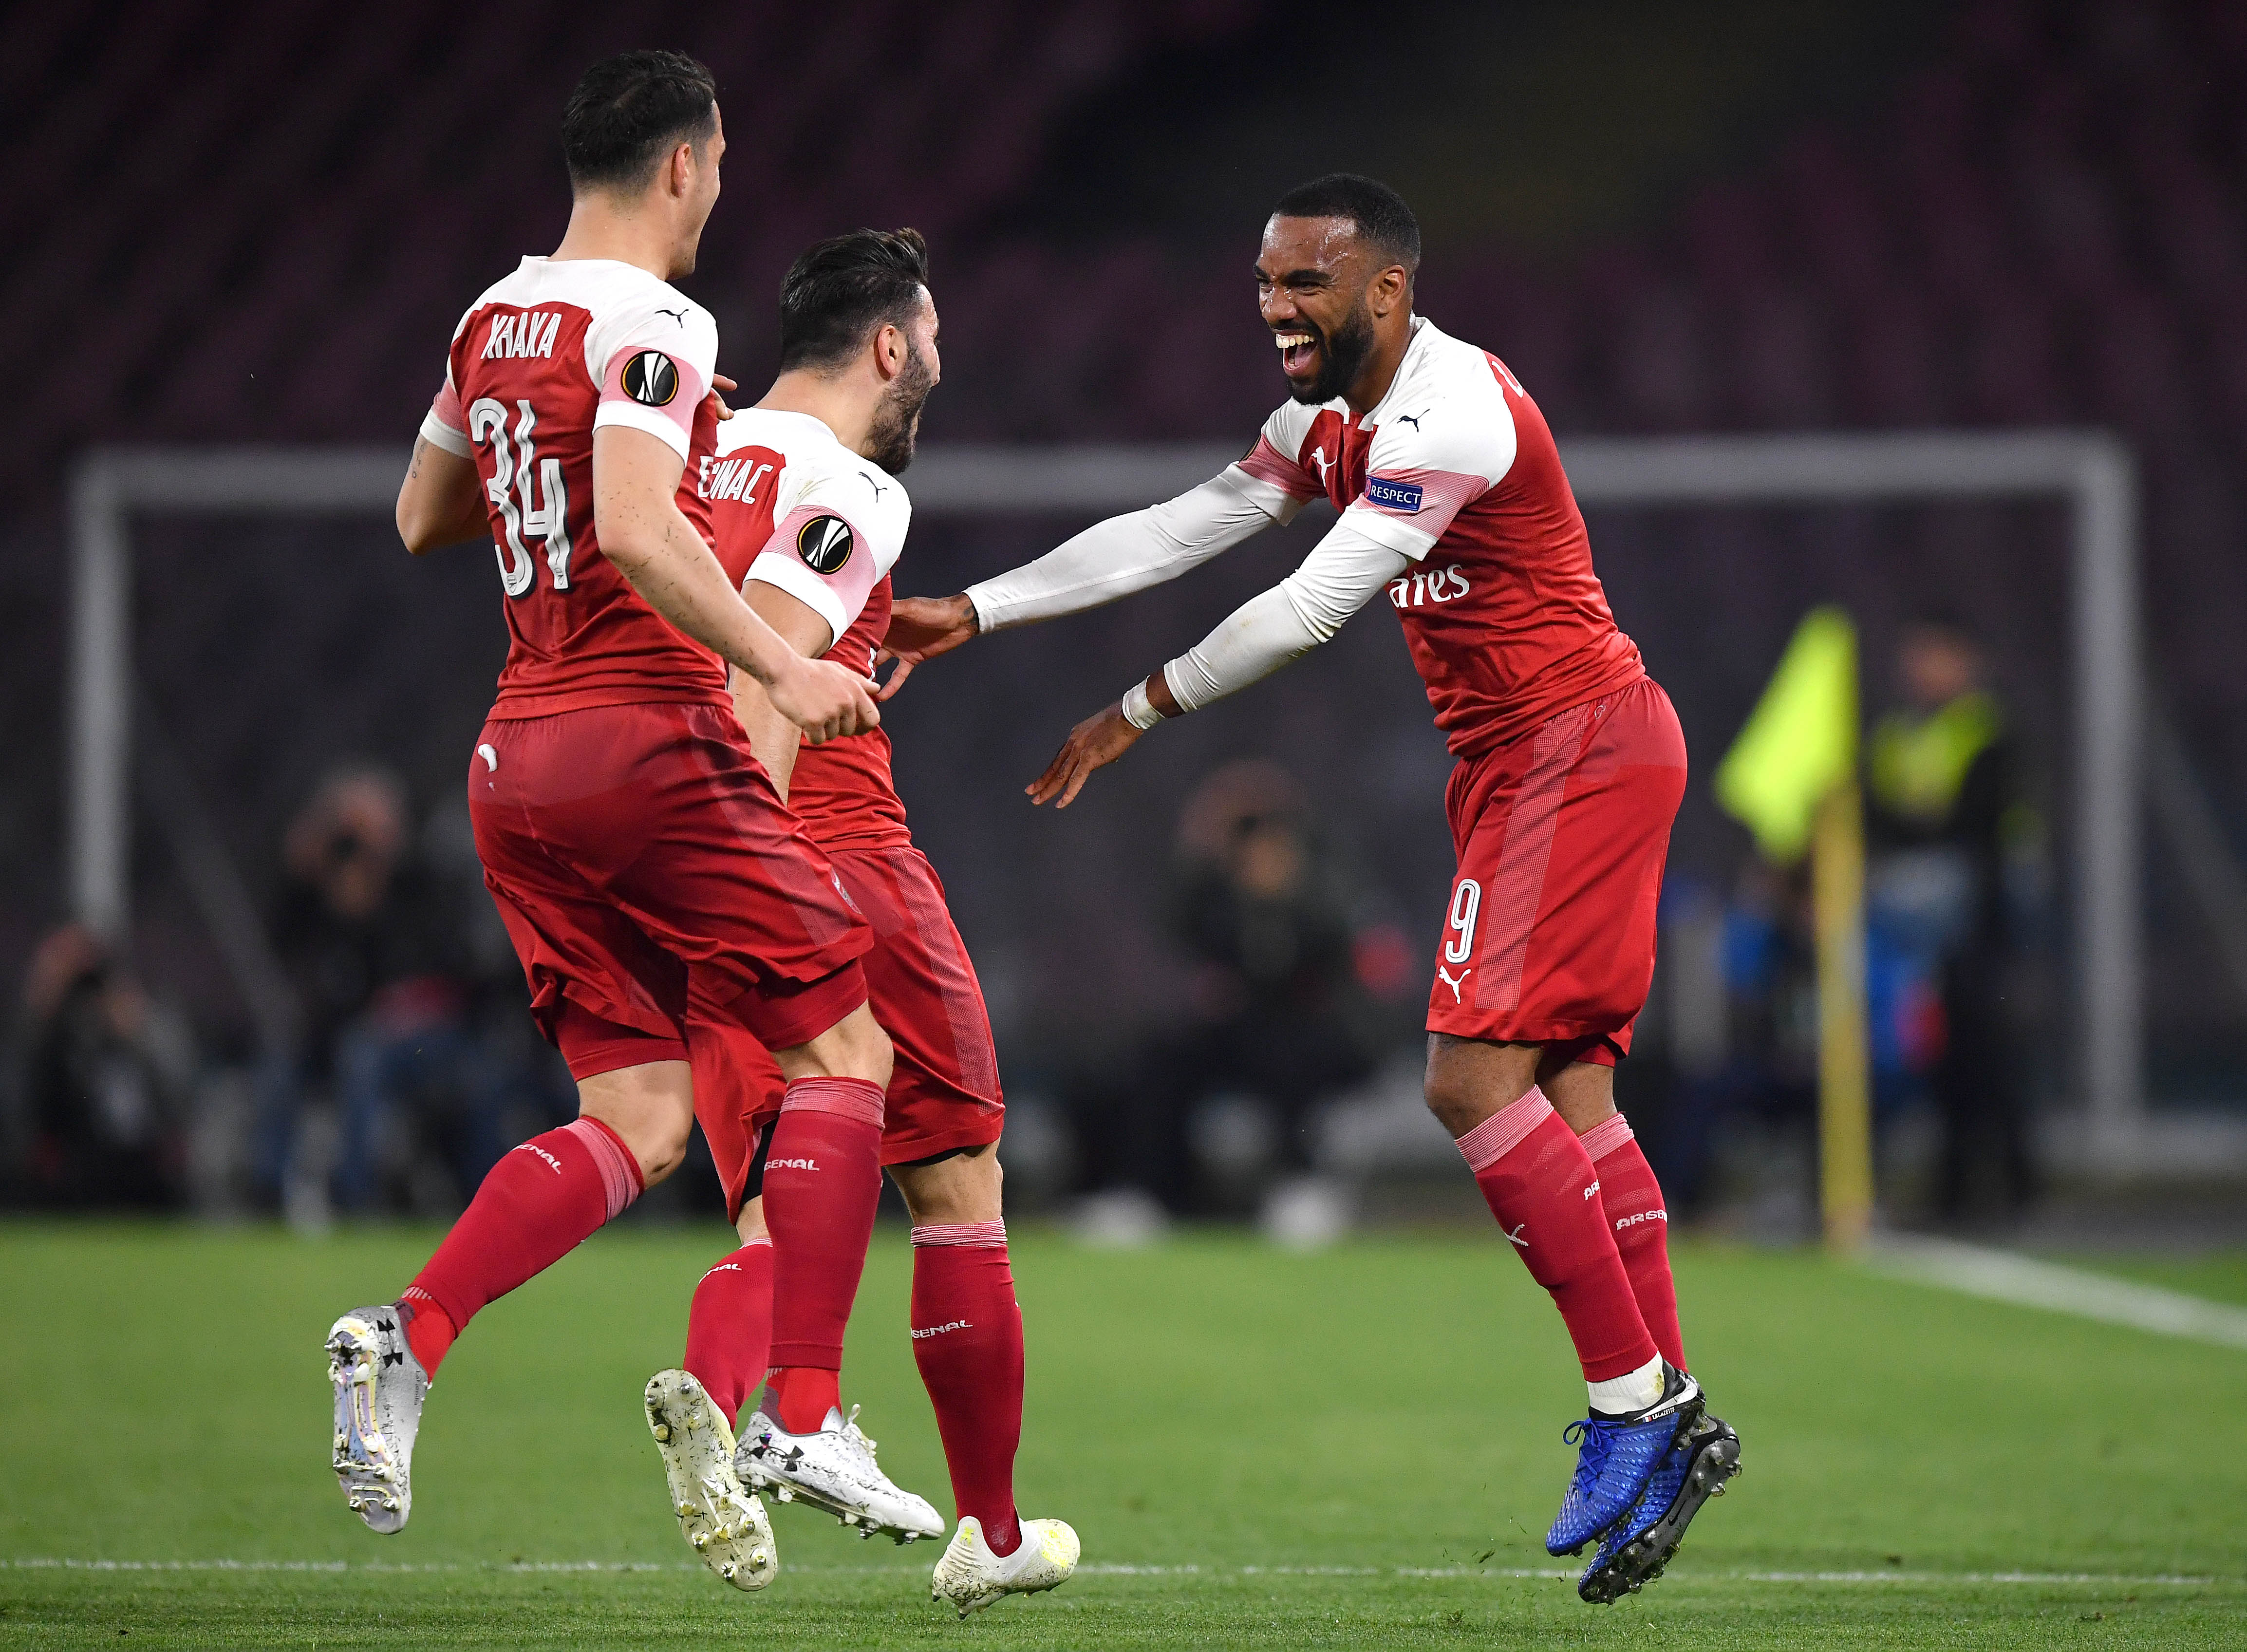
(1412, 419)
(1514, 1237)
(1319, 458)
(528, 334)
(679, 316)
(1444, 976)
(878, 490)
(1418, 590)
(731, 478)
(490, 757)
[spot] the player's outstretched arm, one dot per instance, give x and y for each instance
(441, 501)
(1263, 634)
(637, 518)
(1109, 560)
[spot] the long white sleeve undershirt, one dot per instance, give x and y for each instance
(1133, 552)
(1339, 577)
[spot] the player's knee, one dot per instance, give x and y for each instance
(1448, 1086)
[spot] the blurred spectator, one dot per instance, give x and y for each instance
(107, 1079)
(376, 943)
(1279, 1018)
(1954, 842)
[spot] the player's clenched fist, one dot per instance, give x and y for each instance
(921, 628)
(1093, 743)
(827, 701)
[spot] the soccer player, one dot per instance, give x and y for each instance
(807, 512)
(632, 845)
(1570, 768)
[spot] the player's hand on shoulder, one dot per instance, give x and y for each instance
(719, 382)
(921, 628)
(827, 701)
(1094, 743)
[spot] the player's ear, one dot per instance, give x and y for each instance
(1393, 287)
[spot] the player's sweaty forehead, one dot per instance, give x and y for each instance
(1312, 254)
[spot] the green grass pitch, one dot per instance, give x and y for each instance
(1357, 1448)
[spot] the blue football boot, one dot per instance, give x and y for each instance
(1615, 1457)
(1637, 1546)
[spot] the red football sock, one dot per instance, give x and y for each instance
(534, 1207)
(968, 1340)
(1635, 1216)
(1538, 1181)
(823, 1179)
(802, 1395)
(729, 1327)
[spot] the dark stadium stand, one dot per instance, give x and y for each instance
(259, 224)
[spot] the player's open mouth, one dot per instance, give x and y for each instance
(1296, 349)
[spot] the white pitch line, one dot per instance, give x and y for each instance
(2003, 1276)
(1891, 1575)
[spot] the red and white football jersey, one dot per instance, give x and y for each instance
(1456, 470)
(545, 358)
(791, 506)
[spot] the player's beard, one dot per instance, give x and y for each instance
(1343, 356)
(896, 416)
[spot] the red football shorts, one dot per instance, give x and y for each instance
(634, 850)
(1560, 836)
(944, 1090)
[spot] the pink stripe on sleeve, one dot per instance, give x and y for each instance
(1268, 463)
(445, 407)
(681, 391)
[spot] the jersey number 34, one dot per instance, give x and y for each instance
(516, 467)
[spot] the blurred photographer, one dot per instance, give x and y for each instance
(106, 1080)
(375, 943)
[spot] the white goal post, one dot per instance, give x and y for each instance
(2091, 473)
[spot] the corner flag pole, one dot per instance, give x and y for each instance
(1844, 1115)
(1791, 778)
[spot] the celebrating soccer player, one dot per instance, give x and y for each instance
(633, 846)
(1571, 767)
(807, 512)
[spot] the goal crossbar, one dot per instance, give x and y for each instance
(2091, 473)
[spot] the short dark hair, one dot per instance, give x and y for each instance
(1383, 219)
(843, 287)
(629, 111)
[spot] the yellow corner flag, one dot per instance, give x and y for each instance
(1800, 741)
(1791, 777)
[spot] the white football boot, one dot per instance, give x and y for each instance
(380, 1387)
(720, 1521)
(833, 1470)
(970, 1577)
